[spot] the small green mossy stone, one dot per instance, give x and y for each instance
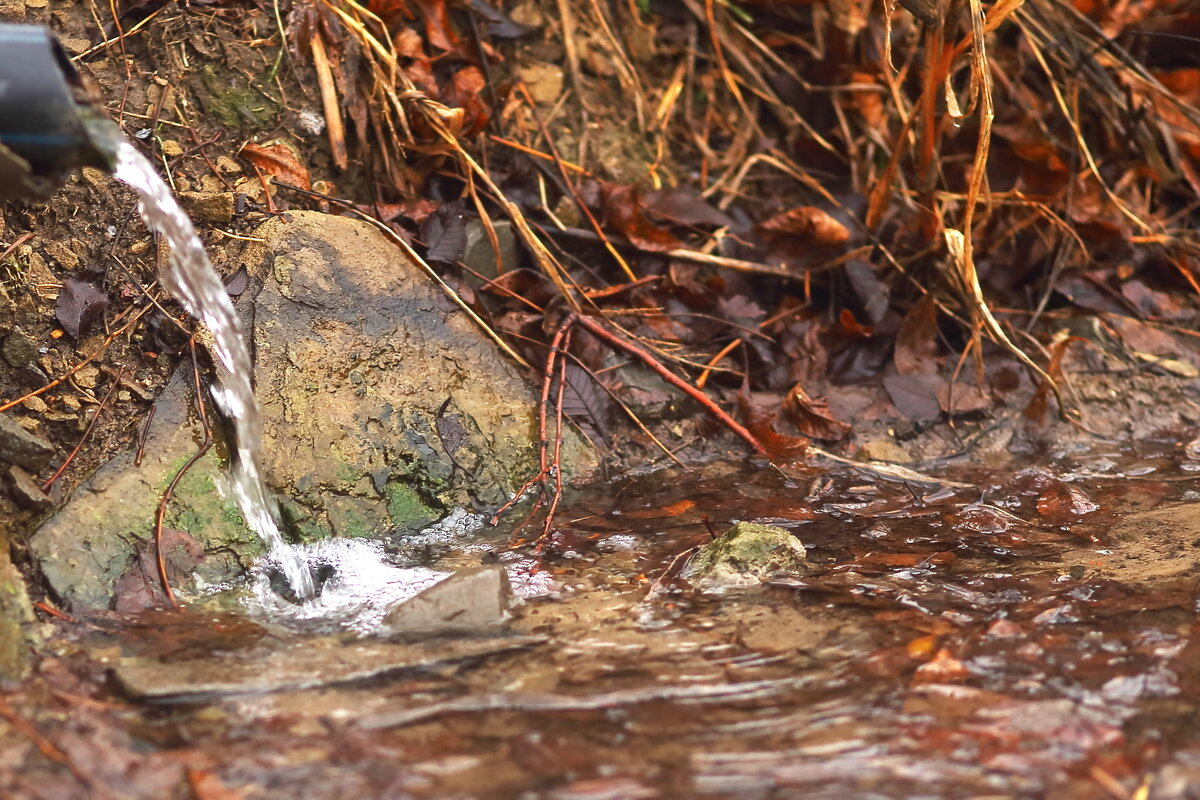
(745, 555)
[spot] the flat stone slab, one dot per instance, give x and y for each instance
(302, 664)
(471, 602)
(1151, 549)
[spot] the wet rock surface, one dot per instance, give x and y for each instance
(297, 665)
(745, 555)
(18, 629)
(469, 602)
(384, 409)
(1152, 549)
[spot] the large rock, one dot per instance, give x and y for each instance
(384, 408)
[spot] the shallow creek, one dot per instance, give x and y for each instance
(947, 642)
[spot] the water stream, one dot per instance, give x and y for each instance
(191, 279)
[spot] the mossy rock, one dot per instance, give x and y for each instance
(384, 409)
(746, 555)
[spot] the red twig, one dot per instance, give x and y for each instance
(543, 438)
(141, 448)
(556, 463)
(671, 378)
(50, 610)
(88, 432)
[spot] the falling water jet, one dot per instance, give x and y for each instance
(49, 125)
(191, 279)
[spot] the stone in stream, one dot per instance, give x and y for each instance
(745, 555)
(1154, 550)
(384, 408)
(476, 601)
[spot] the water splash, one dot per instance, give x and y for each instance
(191, 279)
(364, 584)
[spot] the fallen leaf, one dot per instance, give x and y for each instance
(499, 24)
(465, 91)
(1150, 302)
(809, 223)
(586, 402)
(760, 421)
(623, 209)
(207, 786)
(279, 161)
(683, 205)
(962, 398)
(1036, 409)
(872, 293)
(943, 668)
(813, 417)
(1062, 501)
(79, 305)
(438, 29)
(915, 396)
(445, 233)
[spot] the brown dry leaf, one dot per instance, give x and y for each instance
(279, 161)
(943, 668)
(916, 342)
(465, 91)
(409, 45)
(813, 417)
(962, 398)
(760, 421)
(438, 29)
(807, 222)
(1060, 502)
(868, 103)
(1036, 410)
(623, 210)
(850, 325)
(207, 786)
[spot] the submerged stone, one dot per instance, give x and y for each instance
(301, 664)
(745, 555)
(1155, 550)
(384, 408)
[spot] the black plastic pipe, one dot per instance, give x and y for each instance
(43, 108)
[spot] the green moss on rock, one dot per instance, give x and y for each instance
(745, 555)
(406, 508)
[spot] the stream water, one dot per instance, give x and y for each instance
(1026, 632)
(191, 279)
